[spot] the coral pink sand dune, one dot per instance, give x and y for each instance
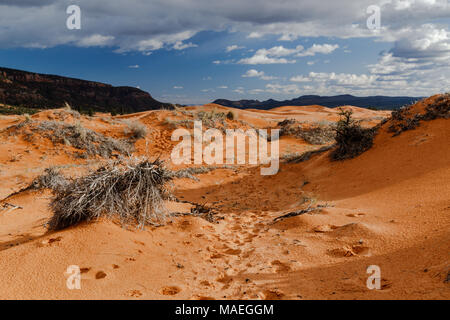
(388, 207)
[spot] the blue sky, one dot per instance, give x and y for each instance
(192, 54)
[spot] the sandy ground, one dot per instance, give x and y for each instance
(389, 207)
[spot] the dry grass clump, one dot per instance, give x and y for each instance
(82, 138)
(300, 157)
(190, 172)
(315, 134)
(174, 124)
(351, 138)
(50, 179)
(133, 191)
(209, 119)
(135, 130)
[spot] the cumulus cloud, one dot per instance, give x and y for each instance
(234, 47)
(277, 54)
(318, 48)
(253, 73)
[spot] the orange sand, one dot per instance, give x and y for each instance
(388, 207)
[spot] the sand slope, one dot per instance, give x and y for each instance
(388, 207)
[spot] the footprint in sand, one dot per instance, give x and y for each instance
(271, 295)
(324, 228)
(49, 241)
(84, 270)
(280, 266)
(385, 284)
(354, 215)
(233, 252)
(100, 275)
(169, 290)
(349, 251)
(133, 293)
(203, 298)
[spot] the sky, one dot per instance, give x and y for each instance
(196, 51)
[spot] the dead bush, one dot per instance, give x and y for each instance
(50, 179)
(351, 138)
(133, 191)
(136, 130)
(315, 133)
(82, 138)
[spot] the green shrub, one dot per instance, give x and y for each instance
(351, 138)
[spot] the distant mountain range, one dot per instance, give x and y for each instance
(35, 90)
(378, 102)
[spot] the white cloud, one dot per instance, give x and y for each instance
(271, 56)
(177, 87)
(234, 47)
(179, 45)
(318, 48)
(256, 91)
(96, 40)
(135, 66)
(300, 79)
(222, 87)
(239, 90)
(253, 73)
(288, 89)
(277, 54)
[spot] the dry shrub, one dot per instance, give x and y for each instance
(211, 118)
(351, 138)
(133, 191)
(404, 120)
(82, 138)
(51, 179)
(315, 134)
(440, 108)
(174, 124)
(136, 130)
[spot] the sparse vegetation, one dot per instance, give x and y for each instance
(351, 138)
(136, 130)
(190, 172)
(403, 120)
(82, 138)
(210, 118)
(173, 124)
(315, 133)
(300, 157)
(50, 179)
(132, 191)
(11, 110)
